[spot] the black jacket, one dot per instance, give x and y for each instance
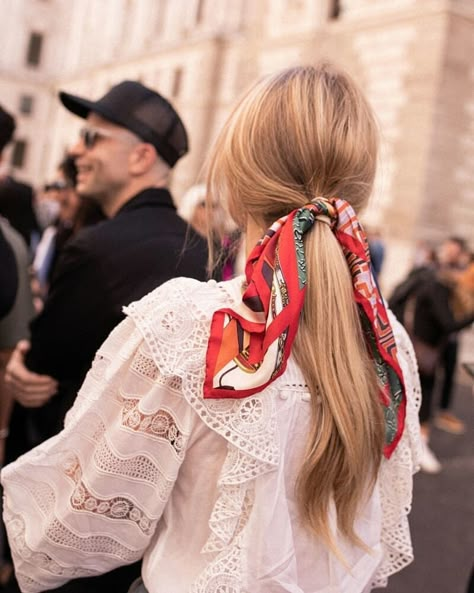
(16, 205)
(8, 277)
(433, 317)
(102, 269)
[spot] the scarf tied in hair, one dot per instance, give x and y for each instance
(249, 345)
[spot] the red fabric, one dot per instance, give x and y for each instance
(249, 346)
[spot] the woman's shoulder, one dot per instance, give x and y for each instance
(188, 297)
(175, 318)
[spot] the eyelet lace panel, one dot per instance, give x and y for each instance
(38, 559)
(224, 573)
(229, 516)
(56, 532)
(118, 507)
(160, 424)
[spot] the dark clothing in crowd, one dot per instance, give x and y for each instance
(433, 321)
(8, 277)
(89, 214)
(14, 326)
(407, 290)
(448, 361)
(16, 205)
(377, 255)
(433, 318)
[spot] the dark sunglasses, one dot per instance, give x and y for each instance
(57, 186)
(90, 136)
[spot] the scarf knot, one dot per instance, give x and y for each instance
(249, 345)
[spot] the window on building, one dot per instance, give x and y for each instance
(199, 11)
(334, 9)
(295, 5)
(19, 153)
(159, 19)
(26, 104)
(177, 82)
(35, 44)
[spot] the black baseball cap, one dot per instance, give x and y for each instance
(142, 111)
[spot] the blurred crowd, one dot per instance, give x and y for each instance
(435, 302)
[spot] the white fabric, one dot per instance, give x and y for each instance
(203, 489)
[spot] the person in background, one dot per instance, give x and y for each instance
(131, 140)
(16, 198)
(377, 251)
(74, 213)
(434, 318)
(423, 303)
(13, 327)
(258, 434)
(206, 217)
(451, 261)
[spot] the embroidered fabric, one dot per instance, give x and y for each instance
(91, 498)
(249, 427)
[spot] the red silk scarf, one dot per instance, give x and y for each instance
(249, 345)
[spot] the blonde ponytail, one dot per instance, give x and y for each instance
(347, 430)
(303, 133)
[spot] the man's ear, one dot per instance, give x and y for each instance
(142, 158)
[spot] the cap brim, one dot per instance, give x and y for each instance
(77, 105)
(82, 108)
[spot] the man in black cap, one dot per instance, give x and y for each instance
(132, 139)
(16, 198)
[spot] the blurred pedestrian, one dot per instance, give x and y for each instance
(209, 218)
(433, 320)
(74, 213)
(451, 262)
(16, 198)
(253, 435)
(14, 326)
(132, 139)
(376, 250)
(424, 304)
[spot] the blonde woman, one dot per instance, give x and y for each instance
(257, 435)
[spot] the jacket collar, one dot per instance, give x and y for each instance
(152, 196)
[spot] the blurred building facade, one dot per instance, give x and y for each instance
(412, 57)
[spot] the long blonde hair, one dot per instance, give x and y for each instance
(299, 134)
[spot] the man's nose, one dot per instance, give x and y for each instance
(78, 148)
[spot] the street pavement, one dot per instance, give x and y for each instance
(442, 517)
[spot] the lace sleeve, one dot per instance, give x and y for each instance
(89, 499)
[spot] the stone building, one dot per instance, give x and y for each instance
(413, 58)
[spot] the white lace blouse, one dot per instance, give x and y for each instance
(203, 490)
